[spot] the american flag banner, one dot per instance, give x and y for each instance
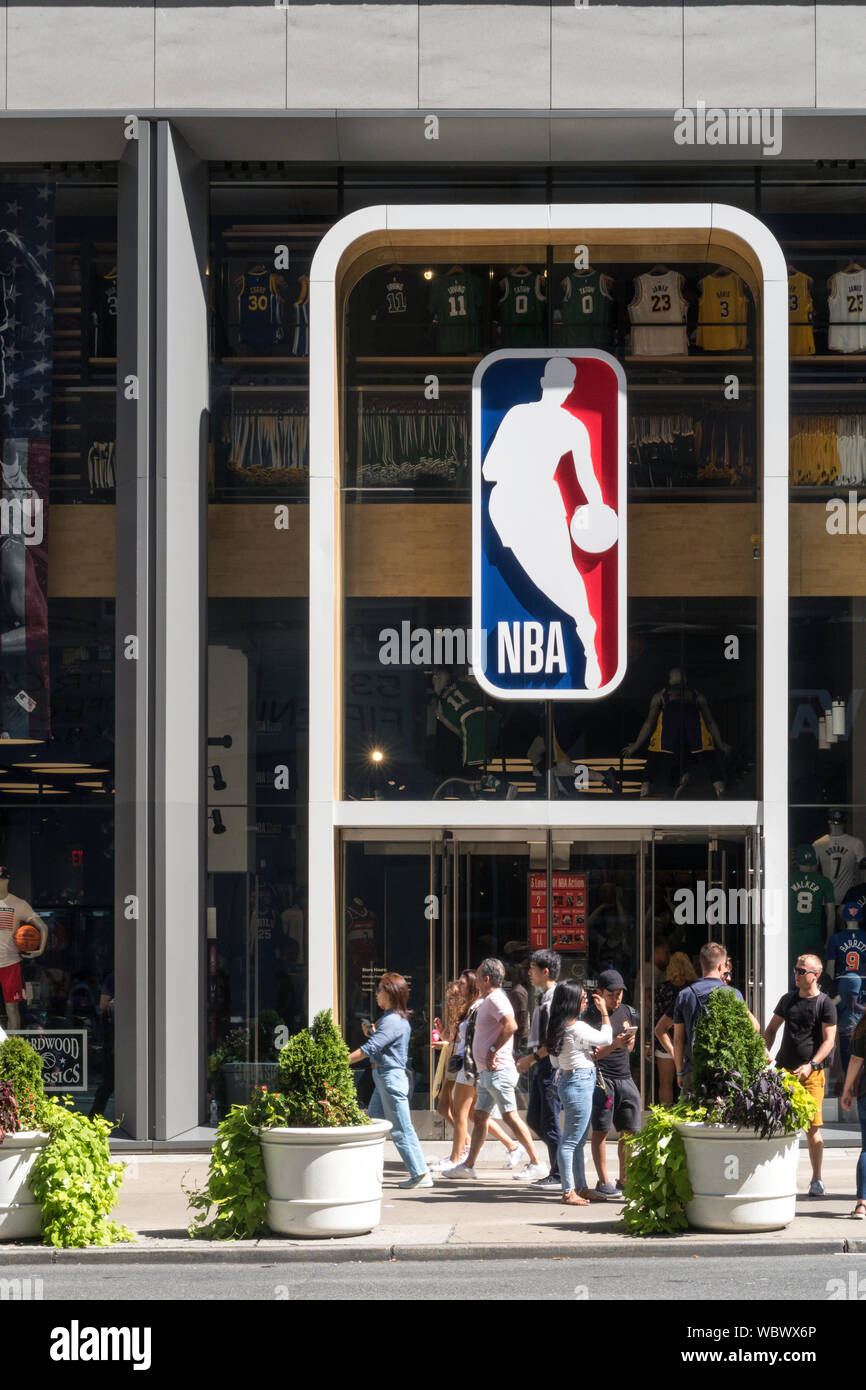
(26, 344)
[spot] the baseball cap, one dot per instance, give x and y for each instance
(805, 855)
(835, 816)
(611, 979)
(851, 912)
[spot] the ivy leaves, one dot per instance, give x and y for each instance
(657, 1186)
(235, 1186)
(75, 1180)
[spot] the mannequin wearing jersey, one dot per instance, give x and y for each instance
(679, 725)
(14, 912)
(839, 855)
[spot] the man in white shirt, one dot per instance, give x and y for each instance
(493, 1051)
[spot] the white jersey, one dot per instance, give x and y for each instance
(658, 316)
(847, 304)
(839, 857)
(13, 913)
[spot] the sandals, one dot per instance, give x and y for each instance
(590, 1195)
(859, 1212)
(574, 1199)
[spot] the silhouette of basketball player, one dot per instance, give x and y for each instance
(526, 505)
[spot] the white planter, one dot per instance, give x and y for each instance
(740, 1181)
(325, 1182)
(20, 1213)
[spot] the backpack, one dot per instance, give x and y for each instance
(794, 994)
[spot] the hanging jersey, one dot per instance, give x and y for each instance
(801, 334)
(847, 305)
(722, 314)
(847, 951)
(461, 709)
(394, 311)
(808, 894)
(300, 326)
(455, 304)
(521, 309)
(658, 316)
(839, 857)
(585, 316)
(260, 306)
(680, 719)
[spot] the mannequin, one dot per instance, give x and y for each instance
(839, 855)
(679, 725)
(14, 912)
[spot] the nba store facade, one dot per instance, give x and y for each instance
(307, 672)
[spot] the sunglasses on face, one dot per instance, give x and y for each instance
(801, 970)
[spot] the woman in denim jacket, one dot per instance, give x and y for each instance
(387, 1049)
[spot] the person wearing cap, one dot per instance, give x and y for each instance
(616, 1099)
(811, 905)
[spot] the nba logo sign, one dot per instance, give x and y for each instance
(549, 524)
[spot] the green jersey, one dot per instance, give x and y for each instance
(585, 316)
(808, 894)
(461, 709)
(455, 305)
(521, 308)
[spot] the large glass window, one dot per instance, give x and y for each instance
(59, 299)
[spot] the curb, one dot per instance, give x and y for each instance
(318, 1252)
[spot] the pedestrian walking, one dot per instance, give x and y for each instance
(690, 1004)
(464, 1093)
(448, 1065)
(855, 1088)
(492, 1046)
(808, 1041)
(616, 1099)
(387, 1048)
(679, 973)
(542, 1114)
(571, 1044)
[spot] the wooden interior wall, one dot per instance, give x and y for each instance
(423, 550)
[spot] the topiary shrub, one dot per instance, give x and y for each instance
(21, 1068)
(315, 1080)
(725, 1040)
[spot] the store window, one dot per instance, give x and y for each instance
(416, 723)
(265, 225)
(59, 299)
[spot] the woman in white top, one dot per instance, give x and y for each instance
(571, 1045)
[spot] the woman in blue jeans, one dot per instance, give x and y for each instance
(855, 1086)
(571, 1045)
(387, 1048)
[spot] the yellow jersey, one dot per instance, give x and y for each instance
(722, 313)
(801, 334)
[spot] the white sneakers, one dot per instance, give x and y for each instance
(459, 1171)
(531, 1173)
(515, 1156)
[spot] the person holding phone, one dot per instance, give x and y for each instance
(616, 1101)
(571, 1044)
(387, 1048)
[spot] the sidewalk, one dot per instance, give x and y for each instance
(494, 1217)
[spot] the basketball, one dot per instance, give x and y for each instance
(594, 529)
(27, 938)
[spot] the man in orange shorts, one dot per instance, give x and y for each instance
(809, 1017)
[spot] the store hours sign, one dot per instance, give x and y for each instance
(64, 1057)
(549, 523)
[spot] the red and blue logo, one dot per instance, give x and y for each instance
(549, 524)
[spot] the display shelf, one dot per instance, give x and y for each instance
(428, 360)
(706, 358)
(245, 362)
(102, 361)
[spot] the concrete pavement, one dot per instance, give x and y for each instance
(493, 1217)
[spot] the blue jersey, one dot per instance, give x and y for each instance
(847, 950)
(260, 306)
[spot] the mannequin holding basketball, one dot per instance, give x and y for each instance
(526, 505)
(18, 922)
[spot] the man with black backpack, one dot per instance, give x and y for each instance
(690, 1004)
(807, 1047)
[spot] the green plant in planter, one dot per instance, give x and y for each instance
(21, 1068)
(732, 1084)
(73, 1178)
(314, 1090)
